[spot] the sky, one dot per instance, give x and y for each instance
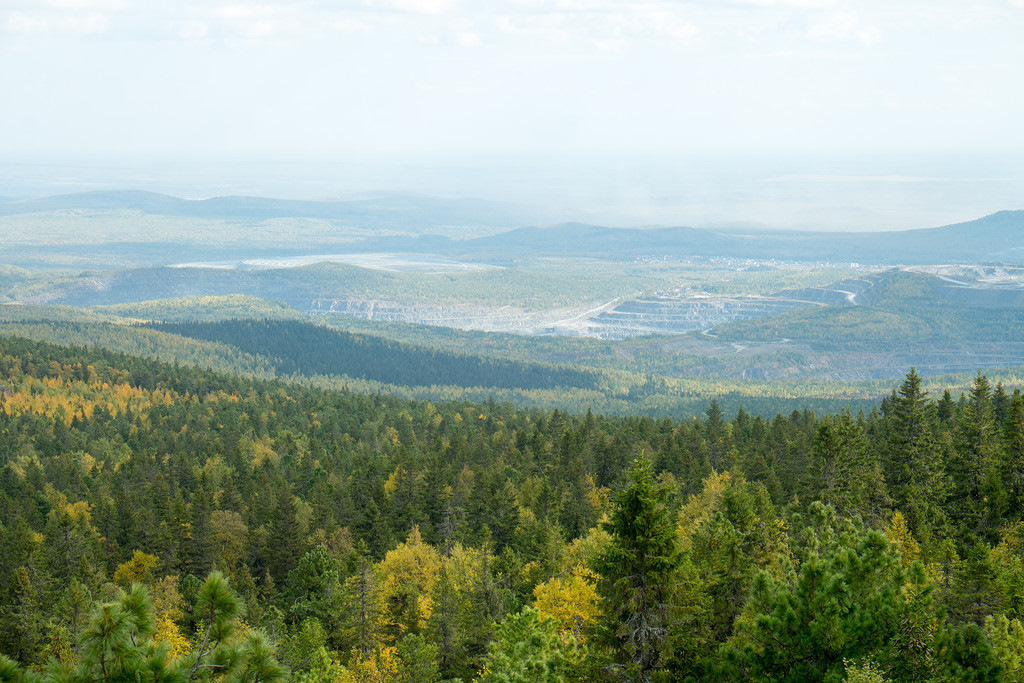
(322, 78)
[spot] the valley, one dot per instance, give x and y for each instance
(661, 305)
(433, 341)
(380, 371)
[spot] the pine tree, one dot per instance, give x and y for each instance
(841, 602)
(118, 645)
(527, 649)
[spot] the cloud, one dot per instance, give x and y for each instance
(795, 4)
(554, 5)
(94, 5)
(260, 22)
(550, 26)
(505, 24)
(92, 24)
(19, 22)
(844, 26)
(351, 25)
(23, 22)
(470, 40)
(261, 29)
(668, 24)
(244, 12)
(192, 30)
(611, 44)
(647, 21)
(418, 6)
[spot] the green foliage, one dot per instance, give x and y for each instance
(913, 654)
(306, 349)
(844, 472)
(314, 586)
(864, 672)
(305, 647)
(256, 662)
(143, 342)
(418, 660)
(966, 655)
(641, 375)
(637, 572)
(202, 308)
(1007, 639)
(840, 602)
(114, 467)
(9, 671)
(977, 463)
(118, 644)
(527, 649)
(913, 461)
(215, 610)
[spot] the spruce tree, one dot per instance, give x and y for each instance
(637, 573)
(844, 472)
(913, 463)
(976, 465)
(1013, 468)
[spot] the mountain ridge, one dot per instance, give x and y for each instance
(998, 236)
(439, 225)
(399, 207)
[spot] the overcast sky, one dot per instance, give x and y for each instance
(325, 76)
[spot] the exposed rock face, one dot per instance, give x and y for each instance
(462, 316)
(613, 320)
(676, 315)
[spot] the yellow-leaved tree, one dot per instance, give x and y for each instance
(167, 613)
(406, 579)
(139, 569)
(898, 533)
(572, 601)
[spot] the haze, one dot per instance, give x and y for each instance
(788, 113)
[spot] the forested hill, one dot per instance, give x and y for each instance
(484, 231)
(391, 209)
(306, 349)
(368, 538)
(899, 309)
(998, 237)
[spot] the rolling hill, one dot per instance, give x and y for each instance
(391, 209)
(998, 237)
(455, 228)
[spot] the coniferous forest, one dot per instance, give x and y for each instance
(167, 524)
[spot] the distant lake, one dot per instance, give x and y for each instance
(389, 262)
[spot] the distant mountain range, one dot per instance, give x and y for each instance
(995, 238)
(389, 208)
(998, 237)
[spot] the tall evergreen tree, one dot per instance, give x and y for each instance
(913, 460)
(976, 465)
(285, 542)
(637, 573)
(844, 472)
(841, 602)
(1013, 468)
